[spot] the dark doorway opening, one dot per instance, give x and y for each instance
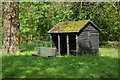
(63, 45)
(72, 43)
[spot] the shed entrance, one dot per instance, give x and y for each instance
(72, 43)
(63, 45)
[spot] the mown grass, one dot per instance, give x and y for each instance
(23, 65)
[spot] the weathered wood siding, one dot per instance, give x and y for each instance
(88, 40)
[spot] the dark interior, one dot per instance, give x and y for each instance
(55, 40)
(63, 43)
(72, 43)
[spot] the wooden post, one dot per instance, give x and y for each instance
(68, 52)
(77, 48)
(51, 44)
(59, 44)
(51, 41)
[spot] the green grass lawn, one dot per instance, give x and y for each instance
(24, 65)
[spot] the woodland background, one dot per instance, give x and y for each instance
(36, 18)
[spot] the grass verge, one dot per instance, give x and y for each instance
(24, 65)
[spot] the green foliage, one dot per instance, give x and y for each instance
(25, 47)
(104, 15)
(109, 44)
(36, 18)
(104, 65)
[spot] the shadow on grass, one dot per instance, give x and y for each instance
(26, 66)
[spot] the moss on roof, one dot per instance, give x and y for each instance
(68, 26)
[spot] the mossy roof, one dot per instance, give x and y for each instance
(62, 27)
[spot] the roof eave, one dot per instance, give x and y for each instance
(87, 23)
(84, 26)
(95, 26)
(62, 32)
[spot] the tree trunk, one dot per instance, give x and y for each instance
(27, 38)
(119, 9)
(31, 37)
(11, 27)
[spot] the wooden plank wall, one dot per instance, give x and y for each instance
(85, 42)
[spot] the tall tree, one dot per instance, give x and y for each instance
(11, 27)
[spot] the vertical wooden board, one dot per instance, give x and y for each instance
(51, 41)
(68, 52)
(77, 45)
(59, 44)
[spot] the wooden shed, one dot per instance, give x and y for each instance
(77, 36)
